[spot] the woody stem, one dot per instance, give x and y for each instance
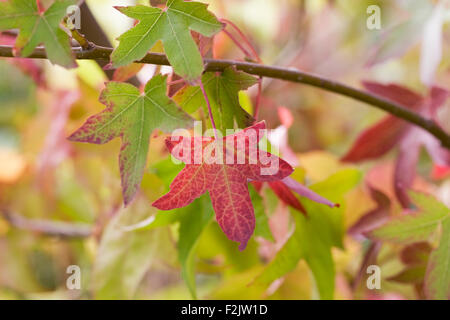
(99, 53)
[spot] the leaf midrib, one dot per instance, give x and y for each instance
(144, 36)
(420, 227)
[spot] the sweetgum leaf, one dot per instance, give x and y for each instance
(262, 228)
(315, 235)
(38, 28)
(414, 274)
(132, 116)
(208, 169)
(172, 25)
(192, 223)
(437, 278)
(222, 90)
(125, 256)
(414, 227)
(377, 140)
(380, 138)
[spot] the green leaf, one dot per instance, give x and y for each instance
(222, 90)
(171, 25)
(316, 234)
(262, 222)
(36, 28)
(124, 257)
(286, 259)
(166, 170)
(157, 220)
(414, 227)
(132, 116)
(437, 279)
(195, 219)
(414, 274)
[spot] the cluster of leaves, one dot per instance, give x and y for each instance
(38, 27)
(423, 263)
(133, 114)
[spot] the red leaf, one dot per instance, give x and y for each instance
(306, 192)
(285, 194)
(214, 166)
(377, 140)
(257, 185)
(384, 135)
(440, 172)
(132, 116)
(395, 93)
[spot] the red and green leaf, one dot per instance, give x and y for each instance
(222, 91)
(37, 28)
(132, 116)
(172, 25)
(417, 226)
(437, 279)
(225, 182)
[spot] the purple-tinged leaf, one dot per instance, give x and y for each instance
(405, 166)
(374, 218)
(377, 140)
(396, 93)
(437, 279)
(308, 193)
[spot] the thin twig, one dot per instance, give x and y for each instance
(244, 38)
(48, 227)
(209, 109)
(253, 55)
(288, 74)
(237, 43)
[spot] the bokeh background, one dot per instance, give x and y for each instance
(50, 186)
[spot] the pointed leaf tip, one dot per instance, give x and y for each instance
(127, 115)
(228, 191)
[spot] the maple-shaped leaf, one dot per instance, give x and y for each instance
(132, 116)
(172, 25)
(391, 132)
(315, 235)
(285, 194)
(437, 278)
(415, 258)
(37, 28)
(222, 91)
(383, 136)
(417, 226)
(223, 168)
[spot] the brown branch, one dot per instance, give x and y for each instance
(92, 30)
(99, 53)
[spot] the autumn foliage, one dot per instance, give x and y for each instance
(176, 162)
